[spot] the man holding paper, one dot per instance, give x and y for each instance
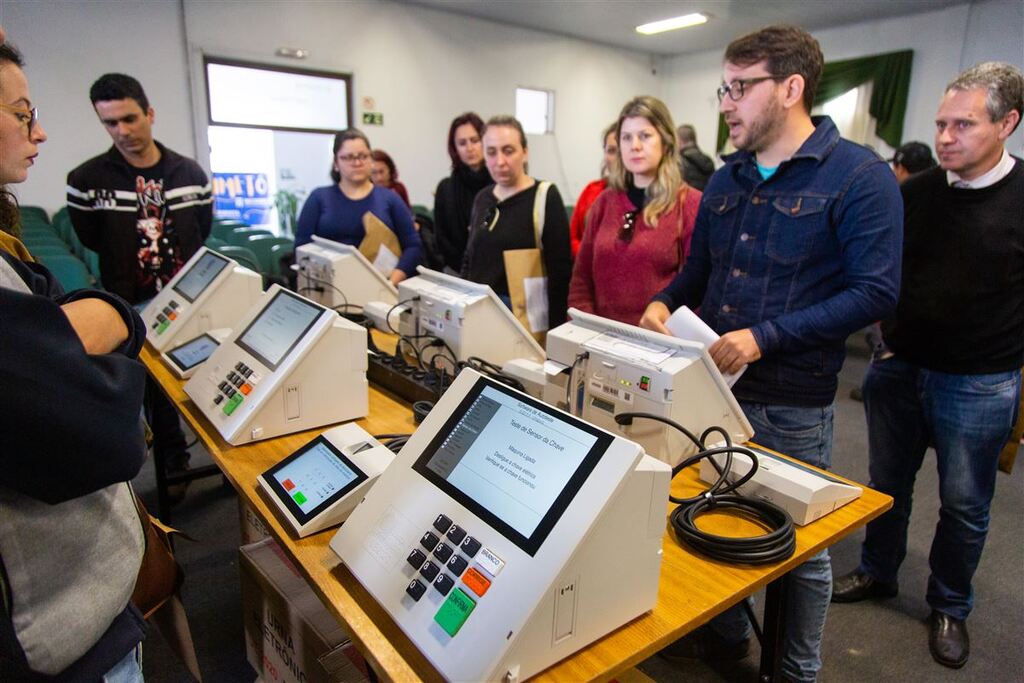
(797, 244)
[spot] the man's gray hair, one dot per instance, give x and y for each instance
(1003, 84)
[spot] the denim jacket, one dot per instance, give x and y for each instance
(803, 259)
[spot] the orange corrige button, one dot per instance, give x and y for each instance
(476, 581)
(245, 388)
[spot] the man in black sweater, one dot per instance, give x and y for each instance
(146, 210)
(951, 378)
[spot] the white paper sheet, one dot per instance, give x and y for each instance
(687, 325)
(536, 291)
(386, 260)
(630, 349)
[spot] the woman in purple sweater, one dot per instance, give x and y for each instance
(336, 211)
(638, 231)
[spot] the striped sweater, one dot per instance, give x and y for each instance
(110, 204)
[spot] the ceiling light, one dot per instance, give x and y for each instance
(672, 24)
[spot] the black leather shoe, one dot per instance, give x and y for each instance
(857, 586)
(948, 640)
(706, 645)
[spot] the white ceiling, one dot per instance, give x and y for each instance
(613, 22)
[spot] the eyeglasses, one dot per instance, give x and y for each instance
(352, 158)
(29, 117)
(628, 221)
(737, 89)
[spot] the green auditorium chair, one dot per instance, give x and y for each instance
(240, 236)
(261, 245)
(242, 255)
(37, 212)
(69, 271)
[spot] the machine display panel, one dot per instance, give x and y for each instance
(313, 478)
(278, 328)
(200, 275)
(193, 352)
(514, 462)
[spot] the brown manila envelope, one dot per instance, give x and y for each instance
(380, 246)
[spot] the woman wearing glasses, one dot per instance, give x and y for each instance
(336, 211)
(71, 542)
(638, 231)
(507, 216)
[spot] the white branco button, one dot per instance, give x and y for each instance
(489, 562)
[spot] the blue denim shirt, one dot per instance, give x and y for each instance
(803, 259)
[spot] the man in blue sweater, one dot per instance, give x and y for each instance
(796, 246)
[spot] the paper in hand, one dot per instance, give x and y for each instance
(686, 324)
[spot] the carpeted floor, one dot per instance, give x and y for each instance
(880, 641)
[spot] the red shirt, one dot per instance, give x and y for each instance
(579, 213)
(616, 279)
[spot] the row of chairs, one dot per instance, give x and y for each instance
(257, 249)
(56, 246)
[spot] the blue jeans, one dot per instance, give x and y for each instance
(128, 670)
(967, 418)
(805, 434)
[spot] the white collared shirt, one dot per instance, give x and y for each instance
(990, 177)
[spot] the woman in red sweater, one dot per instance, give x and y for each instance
(638, 231)
(594, 188)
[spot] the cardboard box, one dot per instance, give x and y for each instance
(290, 637)
(251, 524)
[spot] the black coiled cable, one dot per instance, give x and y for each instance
(776, 545)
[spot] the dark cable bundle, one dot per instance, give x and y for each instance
(492, 370)
(393, 442)
(776, 545)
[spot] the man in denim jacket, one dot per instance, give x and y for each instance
(796, 246)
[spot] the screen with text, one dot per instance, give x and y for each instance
(511, 458)
(199, 276)
(278, 328)
(191, 354)
(311, 479)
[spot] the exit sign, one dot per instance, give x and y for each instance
(373, 118)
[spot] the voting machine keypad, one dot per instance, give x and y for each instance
(165, 317)
(235, 386)
(440, 565)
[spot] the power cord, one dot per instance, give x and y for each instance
(776, 545)
(344, 299)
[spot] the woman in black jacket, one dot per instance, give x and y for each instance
(453, 199)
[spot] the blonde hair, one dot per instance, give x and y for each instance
(664, 191)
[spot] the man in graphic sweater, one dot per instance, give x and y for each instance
(146, 210)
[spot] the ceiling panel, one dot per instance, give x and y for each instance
(613, 22)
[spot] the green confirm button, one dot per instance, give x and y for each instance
(454, 612)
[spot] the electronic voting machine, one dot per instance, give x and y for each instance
(607, 367)
(319, 485)
(508, 534)
(210, 291)
(468, 316)
(335, 274)
(289, 365)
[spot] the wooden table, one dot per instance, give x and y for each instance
(692, 589)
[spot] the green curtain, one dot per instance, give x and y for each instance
(891, 75)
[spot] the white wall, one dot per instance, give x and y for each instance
(944, 42)
(67, 46)
(423, 67)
